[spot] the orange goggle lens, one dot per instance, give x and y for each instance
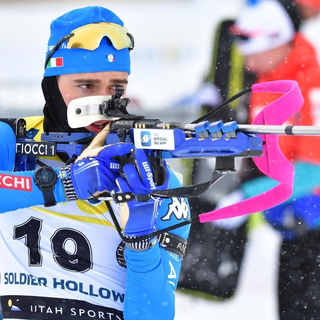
(89, 36)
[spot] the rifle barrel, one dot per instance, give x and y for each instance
(281, 130)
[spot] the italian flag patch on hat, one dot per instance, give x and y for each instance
(55, 62)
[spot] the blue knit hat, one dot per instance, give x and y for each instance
(66, 61)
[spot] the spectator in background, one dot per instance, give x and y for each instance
(309, 11)
(273, 50)
(308, 8)
(268, 38)
(202, 268)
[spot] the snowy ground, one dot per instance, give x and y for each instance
(256, 295)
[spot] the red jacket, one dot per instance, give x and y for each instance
(302, 66)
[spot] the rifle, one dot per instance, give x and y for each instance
(165, 140)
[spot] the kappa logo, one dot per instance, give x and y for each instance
(145, 138)
(178, 208)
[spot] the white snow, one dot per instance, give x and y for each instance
(255, 297)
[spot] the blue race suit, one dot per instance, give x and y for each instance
(68, 261)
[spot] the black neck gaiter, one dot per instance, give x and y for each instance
(55, 109)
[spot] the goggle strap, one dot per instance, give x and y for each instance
(131, 39)
(56, 47)
(67, 37)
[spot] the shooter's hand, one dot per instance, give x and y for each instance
(139, 179)
(96, 145)
(95, 175)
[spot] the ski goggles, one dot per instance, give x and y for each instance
(237, 33)
(89, 37)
